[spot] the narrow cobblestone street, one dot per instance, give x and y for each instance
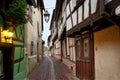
(50, 69)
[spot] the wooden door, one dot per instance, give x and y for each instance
(1, 65)
(84, 57)
(78, 54)
(6, 63)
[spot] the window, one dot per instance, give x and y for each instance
(32, 47)
(38, 30)
(86, 47)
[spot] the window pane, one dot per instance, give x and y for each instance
(86, 47)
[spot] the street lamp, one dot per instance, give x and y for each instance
(46, 16)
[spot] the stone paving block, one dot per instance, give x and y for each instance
(51, 69)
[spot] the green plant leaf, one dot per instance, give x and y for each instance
(17, 11)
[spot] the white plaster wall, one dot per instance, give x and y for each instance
(69, 24)
(72, 4)
(107, 53)
(74, 17)
(86, 9)
(80, 14)
(93, 6)
(68, 10)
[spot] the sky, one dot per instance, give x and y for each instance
(49, 5)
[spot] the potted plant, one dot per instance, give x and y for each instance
(15, 15)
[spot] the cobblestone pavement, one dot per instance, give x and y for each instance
(50, 69)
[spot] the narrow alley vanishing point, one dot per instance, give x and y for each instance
(50, 69)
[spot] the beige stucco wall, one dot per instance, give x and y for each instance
(31, 34)
(107, 53)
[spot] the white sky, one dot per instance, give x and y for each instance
(49, 5)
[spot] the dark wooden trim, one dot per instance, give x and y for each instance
(2, 77)
(110, 7)
(82, 12)
(6, 45)
(19, 46)
(88, 21)
(15, 39)
(79, 2)
(68, 47)
(93, 56)
(22, 32)
(18, 60)
(68, 1)
(16, 33)
(89, 7)
(92, 20)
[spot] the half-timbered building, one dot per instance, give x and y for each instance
(12, 54)
(93, 29)
(89, 32)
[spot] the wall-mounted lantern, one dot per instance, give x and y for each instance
(6, 36)
(46, 16)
